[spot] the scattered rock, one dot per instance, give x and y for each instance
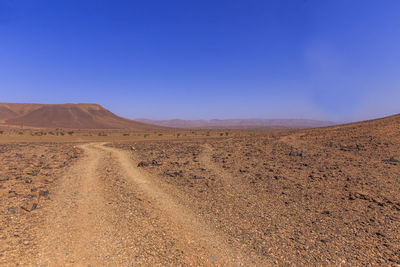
(297, 153)
(12, 210)
(155, 163)
(174, 174)
(143, 164)
(3, 179)
(34, 206)
(380, 234)
(392, 159)
(350, 147)
(12, 193)
(44, 193)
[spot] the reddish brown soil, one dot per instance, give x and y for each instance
(320, 196)
(28, 173)
(327, 196)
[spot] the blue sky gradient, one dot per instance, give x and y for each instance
(202, 59)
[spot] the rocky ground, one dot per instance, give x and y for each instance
(321, 196)
(28, 172)
(327, 196)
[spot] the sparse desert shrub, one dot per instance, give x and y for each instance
(221, 134)
(20, 133)
(1, 132)
(145, 135)
(125, 134)
(178, 134)
(160, 134)
(226, 133)
(51, 133)
(62, 133)
(70, 132)
(208, 134)
(102, 134)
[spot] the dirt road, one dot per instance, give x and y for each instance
(107, 212)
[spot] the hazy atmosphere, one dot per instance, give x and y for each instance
(329, 60)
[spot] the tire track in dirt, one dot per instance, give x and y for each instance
(98, 219)
(77, 229)
(196, 237)
(239, 207)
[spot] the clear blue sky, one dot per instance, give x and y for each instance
(202, 59)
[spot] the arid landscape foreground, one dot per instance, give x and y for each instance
(323, 196)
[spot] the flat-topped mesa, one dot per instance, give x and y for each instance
(73, 116)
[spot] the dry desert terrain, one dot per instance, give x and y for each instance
(323, 196)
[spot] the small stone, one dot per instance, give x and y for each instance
(12, 210)
(392, 160)
(44, 193)
(155, 163)
(143, 164)
(34, 206)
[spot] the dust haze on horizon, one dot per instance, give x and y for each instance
(205, 60)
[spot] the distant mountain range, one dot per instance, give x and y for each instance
(94, 116)
(238, 123)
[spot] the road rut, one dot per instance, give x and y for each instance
(106, 211)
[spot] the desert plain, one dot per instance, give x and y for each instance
(217, 197)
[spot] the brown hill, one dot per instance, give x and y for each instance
(14, 110)
(74, 116)
(238, 123)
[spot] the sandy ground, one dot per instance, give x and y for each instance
(106, 212)
(307, 197)
(325, 196)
